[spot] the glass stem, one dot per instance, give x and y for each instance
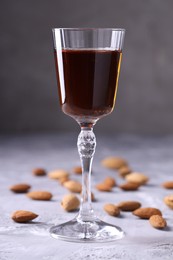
(86, 148)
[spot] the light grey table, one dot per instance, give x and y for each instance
(20, 154)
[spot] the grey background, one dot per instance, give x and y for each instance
(28, 92)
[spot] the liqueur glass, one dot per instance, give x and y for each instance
(87, 62)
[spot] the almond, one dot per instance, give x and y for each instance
(124, 171)
(128, 186)
(58, 174)
(110, 182)
(112, 210)
(146, 213)
(39, 172)
(103, 187)
(157, 221)
(136, 177)
(92, 197)
(20, 188)
(169, 201)
(114, 162)
(22, 216)
(70, 202)
(168, 185)
(39, 195)
(73, 186)
(129, 205)
(77, 170)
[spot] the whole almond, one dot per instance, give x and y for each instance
(157, 221)
(114, 162)
(77, 170)
(169, 201)
(22, 216)
(129, 205)
(39, 172)
(112, 210)
(103, 187)
(73, 186)
(168, 185)
(124, 171)
(39, 195)
(20, 188)
(136, 177)
(146, 213)
(110, 181)
(92, 196)
(70, 202)
(128, 186)
(58, 174)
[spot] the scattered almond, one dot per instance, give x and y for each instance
(157, 221)
(110, 182)
(39, 172)
(103, 187)
(73, 186)
(137, 177)
(70, 202)
(124, 171)
(39, 195)
(58, 174)
(112, 210)
(22, 216)
(128, 186)
(114, 162)
(169, 201)
(129, 205)
(77, 170)
(168, 185)
(20, 188)
(92, 197)
(146, 213)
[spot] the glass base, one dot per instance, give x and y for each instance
(90, 232)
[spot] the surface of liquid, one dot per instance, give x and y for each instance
(87, 81)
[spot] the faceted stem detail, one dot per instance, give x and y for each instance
(86, 148)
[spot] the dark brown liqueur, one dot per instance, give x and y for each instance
(87, 82)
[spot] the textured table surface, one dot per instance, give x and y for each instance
(20, 154)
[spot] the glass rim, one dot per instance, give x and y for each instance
(90, 29)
